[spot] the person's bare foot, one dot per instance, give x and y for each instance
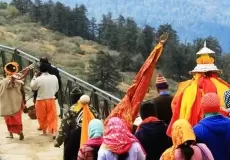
(44, 133)
(21, 136)
(10, 136)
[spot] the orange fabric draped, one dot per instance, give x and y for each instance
(128, 107)
(196, 113)
(47, 115)
(86, 118)
(206, 85)
(176, 104)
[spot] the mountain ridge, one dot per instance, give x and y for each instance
(191, 19)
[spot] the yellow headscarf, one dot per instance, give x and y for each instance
(181, 132)
(15, 67)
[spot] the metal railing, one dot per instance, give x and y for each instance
(100, 99)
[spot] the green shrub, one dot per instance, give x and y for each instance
(13, 11)
(3, 21)
(64, 46)
(3, 5)
(4, 13)
(74, 40)
(20, 19)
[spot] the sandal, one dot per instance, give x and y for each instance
(10, 136)
(21, 136)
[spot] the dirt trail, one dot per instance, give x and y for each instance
(33, 147)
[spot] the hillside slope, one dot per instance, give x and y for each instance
(69, 53)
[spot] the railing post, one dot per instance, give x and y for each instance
(106, 109)
(94, 101)
(3, 62)
(17, 58)
(68, 89)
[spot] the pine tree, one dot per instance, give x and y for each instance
(171, 60)
(36, 10)
(58, 20)
(81, 21)
(93, 29)
(24, 6)
(128, 43)
(103, 72)
(46, 14)
(145, 41)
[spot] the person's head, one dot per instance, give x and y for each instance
(227, 98)
(148, 109)
(75, 95)
(183, 137)
(182, 132)
(95, 128)
(210, 103)
(85, 99)
(44, 67)
(118, 138)
(161, 83)
(11, 68)
(44, 60)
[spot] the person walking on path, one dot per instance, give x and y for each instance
(47, 86)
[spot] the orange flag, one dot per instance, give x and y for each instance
(128, 107)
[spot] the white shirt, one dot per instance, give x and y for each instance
(46, 85)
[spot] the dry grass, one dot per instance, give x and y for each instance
(69, 53)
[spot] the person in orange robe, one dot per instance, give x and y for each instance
(47, 86)
(12, 100)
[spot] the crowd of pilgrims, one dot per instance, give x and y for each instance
(208, 140)
(147, 139)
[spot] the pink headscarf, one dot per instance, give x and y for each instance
(117, 137)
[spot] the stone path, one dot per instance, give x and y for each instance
(33, 147)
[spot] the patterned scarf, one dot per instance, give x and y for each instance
(117, 137)
(17, 75)
(227, 98)
(181, 132)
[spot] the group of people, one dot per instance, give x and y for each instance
(208, 140)
(86, 138)
(45, 84)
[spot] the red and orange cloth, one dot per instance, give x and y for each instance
(186, 102)
(128, 107)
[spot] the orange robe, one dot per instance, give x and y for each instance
(47, 115)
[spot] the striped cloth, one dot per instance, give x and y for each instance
(160, 79)
(227, 98)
